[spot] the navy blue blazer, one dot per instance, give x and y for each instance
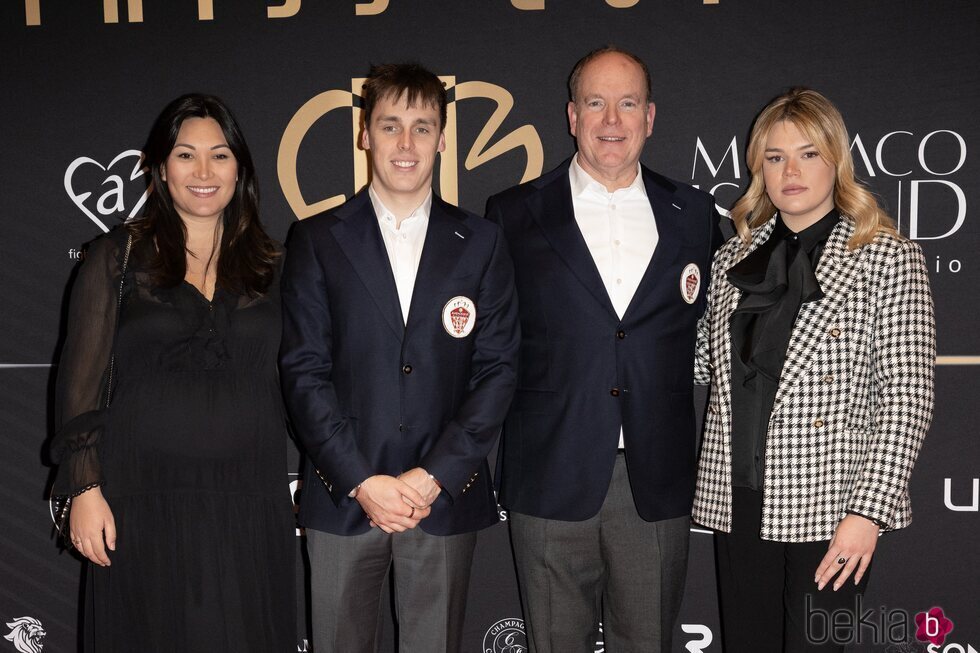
(368, 394)
(584, 372)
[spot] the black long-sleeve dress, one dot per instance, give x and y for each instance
(190, 456)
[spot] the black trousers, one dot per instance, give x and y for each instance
(769, 602)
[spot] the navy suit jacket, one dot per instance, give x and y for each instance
(584, 372)
(368, 394)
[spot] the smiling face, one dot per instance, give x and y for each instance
(403, 142)
(200, 171)
(611, 119)
(799, 181)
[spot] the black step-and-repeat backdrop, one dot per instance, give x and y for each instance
(82, 80)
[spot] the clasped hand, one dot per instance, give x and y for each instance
(397, 504)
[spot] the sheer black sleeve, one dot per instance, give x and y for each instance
(79, 398)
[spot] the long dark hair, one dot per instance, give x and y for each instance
(248, 256)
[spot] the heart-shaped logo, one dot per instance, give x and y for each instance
(112, 202)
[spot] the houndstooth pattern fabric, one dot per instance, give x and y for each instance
(855, 397)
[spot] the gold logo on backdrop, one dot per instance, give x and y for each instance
(205, 10)
(290, 8)
(481, 152)
(538, 5)
(287, 8)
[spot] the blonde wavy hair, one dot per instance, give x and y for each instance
(819, 120)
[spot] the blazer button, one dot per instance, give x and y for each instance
(614, 392)
(835, 332)
(407, 369)
(818, 422)
(621, 334)
(829, 378)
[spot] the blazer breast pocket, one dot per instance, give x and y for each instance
(535, 401)
(466, 280)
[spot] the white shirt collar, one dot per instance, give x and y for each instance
(582, 181)
(386, 216)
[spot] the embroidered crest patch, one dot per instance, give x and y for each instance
(459, 316)
(690, 282)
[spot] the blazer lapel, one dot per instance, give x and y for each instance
(668, 213)
(552, 210)
(359, 235)
(445, 241)
(837, 272)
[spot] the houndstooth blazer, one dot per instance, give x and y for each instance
(855, 397)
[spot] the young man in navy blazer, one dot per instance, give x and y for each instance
(598, 453)
(400, 339)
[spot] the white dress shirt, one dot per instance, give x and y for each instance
(620, 232)
(404, 244)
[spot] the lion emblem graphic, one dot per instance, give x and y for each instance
(27, 634)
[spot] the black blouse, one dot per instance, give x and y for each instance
(195, 394)
(776, 279)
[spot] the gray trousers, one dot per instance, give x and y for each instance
(615, 567)
(431, 576)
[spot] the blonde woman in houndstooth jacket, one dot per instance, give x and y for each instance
(819, 346)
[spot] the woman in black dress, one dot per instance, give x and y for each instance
(180, 496)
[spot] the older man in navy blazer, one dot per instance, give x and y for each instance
(598, 455)
(400, 338)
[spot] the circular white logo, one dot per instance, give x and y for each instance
(459, 316)
(506, 636)
(690, 282)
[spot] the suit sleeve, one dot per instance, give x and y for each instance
(702, 350)
(903, 360)
(305, 369)
(466, 441)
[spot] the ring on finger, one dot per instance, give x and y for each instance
(842, 560)
(412, 514)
